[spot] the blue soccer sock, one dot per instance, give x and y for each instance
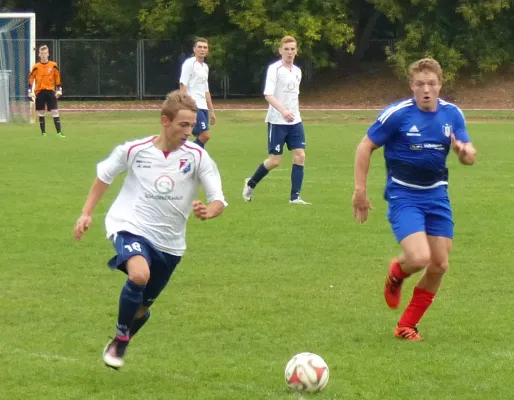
(296, 181)
(131, 298)
(199, 143)
(138, 324)
(258, 176)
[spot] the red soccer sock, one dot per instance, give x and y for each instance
(421, 300)
(396, 271)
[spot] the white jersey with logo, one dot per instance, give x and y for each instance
(158, 192)
(284, 85)
(195, 76)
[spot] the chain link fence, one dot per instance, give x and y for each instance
(143, 69)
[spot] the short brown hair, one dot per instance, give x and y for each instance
(44, 47)
(426, 64)
(176, 101)
(200, 39)
(287, 39)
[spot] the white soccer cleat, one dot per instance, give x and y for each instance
(247, 191)
(113, 356)
(298, 201)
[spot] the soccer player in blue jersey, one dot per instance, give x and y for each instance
(417, 135)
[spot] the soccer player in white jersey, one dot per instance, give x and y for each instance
(417, 135)
(147, 221)
(194, 80)
(285, 125)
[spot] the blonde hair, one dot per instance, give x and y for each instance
(44, 47)
(426, 64)
(176, 101)
(287, 39)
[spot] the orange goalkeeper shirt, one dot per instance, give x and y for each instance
(47, 76)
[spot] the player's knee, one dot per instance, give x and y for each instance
(55, 113)
(138, 270)
(299, 157)
(438, 267)
(142, 312)
(204, 137)
(419, 260)
(139, 277)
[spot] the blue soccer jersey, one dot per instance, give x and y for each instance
(416, 145)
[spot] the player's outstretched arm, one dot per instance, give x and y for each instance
(95, 194)
(465, 151)
(209, 211)
(361, 204)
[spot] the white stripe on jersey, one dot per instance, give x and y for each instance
(446, 103)
(387, 113)
(410, 185)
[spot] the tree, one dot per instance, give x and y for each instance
(472, 34)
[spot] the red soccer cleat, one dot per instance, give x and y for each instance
(409, 333)
(393, 288)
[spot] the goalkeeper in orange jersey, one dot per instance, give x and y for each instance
(47, 89)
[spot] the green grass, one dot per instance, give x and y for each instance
(263, 282)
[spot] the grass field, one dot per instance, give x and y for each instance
(263, 282)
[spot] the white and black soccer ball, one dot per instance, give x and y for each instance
(307, 372)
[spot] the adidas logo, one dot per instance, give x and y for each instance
(413, 131)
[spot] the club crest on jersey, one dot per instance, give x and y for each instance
(447, 130)
(184, 165)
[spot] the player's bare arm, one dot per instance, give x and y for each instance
(272, 100)
(98, 188)
(212, 115)
(361, 204)
(183, 88)
(208, 211)
(465, 151)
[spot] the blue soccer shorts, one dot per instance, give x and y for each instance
(202, 122)
(161, 264)
(278, 135)
(407, 216)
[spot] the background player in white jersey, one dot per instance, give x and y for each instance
(285, 125)
(147, 221)
(194, 80)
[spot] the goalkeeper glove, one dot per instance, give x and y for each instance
(58, 92)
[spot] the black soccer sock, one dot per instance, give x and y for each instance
(57, 123)
(42, 124)
(138, 324)
(199, 143)
(296, 181)
(258, 175)
(131, 299)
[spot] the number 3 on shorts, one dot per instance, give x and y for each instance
(203, 125)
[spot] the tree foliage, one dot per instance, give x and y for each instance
(473, 35)
(461, 34)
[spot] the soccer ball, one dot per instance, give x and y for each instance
(306, 372)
